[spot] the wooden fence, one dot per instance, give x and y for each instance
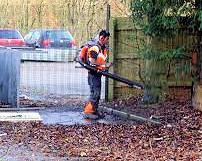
(124, 53)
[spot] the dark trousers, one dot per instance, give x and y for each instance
(94, 81)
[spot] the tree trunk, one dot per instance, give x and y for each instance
(196, 100)
(197, 85)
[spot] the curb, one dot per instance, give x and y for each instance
(21, 109)
(127, 115)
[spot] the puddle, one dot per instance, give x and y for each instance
(55, 117)
(62, 118)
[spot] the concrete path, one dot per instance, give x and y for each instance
(63, 116)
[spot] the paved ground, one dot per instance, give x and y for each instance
(64, 116)
(61, 78)
(59, 116)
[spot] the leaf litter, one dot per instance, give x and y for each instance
(179, 136)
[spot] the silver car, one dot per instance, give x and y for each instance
(47, 38)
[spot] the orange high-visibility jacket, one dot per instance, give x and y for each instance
(83, 52)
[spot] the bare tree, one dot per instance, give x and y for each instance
(83, 17)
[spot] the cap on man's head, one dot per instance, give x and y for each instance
(104, 33)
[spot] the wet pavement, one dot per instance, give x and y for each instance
(59, 116)
(64, 116)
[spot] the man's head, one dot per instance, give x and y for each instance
(104, 36)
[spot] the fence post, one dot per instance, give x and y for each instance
(107, 27)
(112, 51)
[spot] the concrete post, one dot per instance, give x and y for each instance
(9, 76)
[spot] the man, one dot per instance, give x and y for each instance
(97, 57)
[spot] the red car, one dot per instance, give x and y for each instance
(11, 37)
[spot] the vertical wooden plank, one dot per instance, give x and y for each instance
(107, 27)
(125, 57)
(112, 53)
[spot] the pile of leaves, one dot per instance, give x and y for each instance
(177, 104)
(179, 137)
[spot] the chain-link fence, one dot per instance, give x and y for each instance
(44, 80)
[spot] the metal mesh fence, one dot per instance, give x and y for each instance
(40, 80)
(52, 72)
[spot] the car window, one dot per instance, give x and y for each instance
(58, 34)
(10, 34)
(36, 35)
(28, 36)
